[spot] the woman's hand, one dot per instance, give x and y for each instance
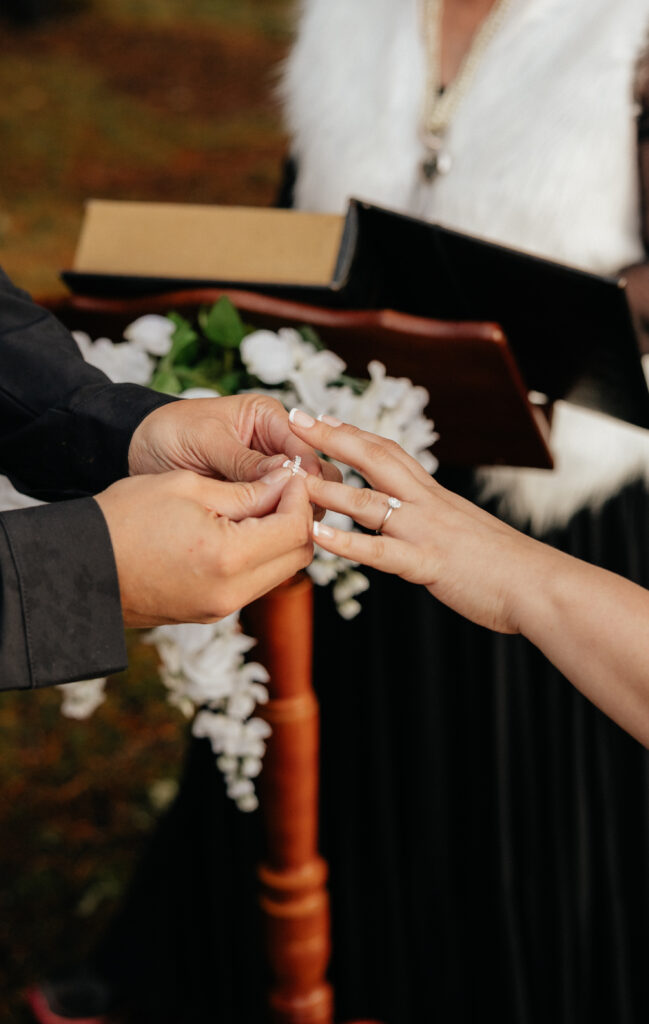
(467, 558)
(190, 549)
(588, 622)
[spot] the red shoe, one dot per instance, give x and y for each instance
(40, 1008)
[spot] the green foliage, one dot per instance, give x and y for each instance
(308, 334)
(222, 324)
(206, 355)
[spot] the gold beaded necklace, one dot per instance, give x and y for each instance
(441, 104)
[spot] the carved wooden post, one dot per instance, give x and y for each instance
(294, 899)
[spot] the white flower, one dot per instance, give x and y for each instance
(200, 393)
(349, 609)
(311, 391)
(350, 585)
(81, 700)
(268, 356)
(240, 787)
(240, 705)
(248, 803)
(124, 364)
(162, 792)
(339, 521)
(324, 366)
(151, 333)
(323, 570)
(251, 766)
(259, 728)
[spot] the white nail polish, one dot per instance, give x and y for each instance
(320, 530)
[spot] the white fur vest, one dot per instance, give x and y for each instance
(544, 159)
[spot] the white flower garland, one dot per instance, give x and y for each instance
(203, 666)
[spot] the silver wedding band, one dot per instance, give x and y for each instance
(392, 504)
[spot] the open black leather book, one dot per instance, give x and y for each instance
(570, 331)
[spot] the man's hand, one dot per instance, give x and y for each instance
(236, 438)
(188, 549)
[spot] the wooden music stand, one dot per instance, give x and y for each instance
(483, 414)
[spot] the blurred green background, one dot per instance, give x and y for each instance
(133, 99)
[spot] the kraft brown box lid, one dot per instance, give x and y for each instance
(176, 240)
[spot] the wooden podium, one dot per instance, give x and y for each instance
(478, 400)
(483, 413)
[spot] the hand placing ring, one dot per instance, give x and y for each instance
(392, 504)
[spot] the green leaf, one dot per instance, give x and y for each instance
(222, 324)
(196, 378)
(309, 334)
(184, 343)
(165, 380)
(230, 383)
(357, 385)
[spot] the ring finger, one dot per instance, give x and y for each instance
(369, 508)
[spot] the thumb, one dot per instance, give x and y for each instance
(238, 462)
(250, 498)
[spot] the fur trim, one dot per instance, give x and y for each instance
(595, 457)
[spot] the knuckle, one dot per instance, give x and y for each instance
(246, 494)
(379, 548)
(219, 608)
(243, 463)
(227, 562)
(299, 529)
(378, 452)
(362, 499)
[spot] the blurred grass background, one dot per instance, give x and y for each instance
(131, 99)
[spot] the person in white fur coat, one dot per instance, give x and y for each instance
(543, 157)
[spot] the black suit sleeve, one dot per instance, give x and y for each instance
(65, 430)
(61, 617)
(64, 427)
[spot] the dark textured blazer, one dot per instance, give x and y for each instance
(65, 430)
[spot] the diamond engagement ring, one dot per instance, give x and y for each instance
(392, 504)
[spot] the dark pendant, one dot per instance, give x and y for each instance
(437, 162)
(429, 167)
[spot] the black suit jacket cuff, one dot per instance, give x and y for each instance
(61, 616)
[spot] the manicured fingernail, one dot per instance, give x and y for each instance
(331, 421)
(301, 419)
(320, 530)
(276, 475)
(295, 468)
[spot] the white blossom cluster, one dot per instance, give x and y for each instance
(134, 360)
(310, 379)
(203, 666)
